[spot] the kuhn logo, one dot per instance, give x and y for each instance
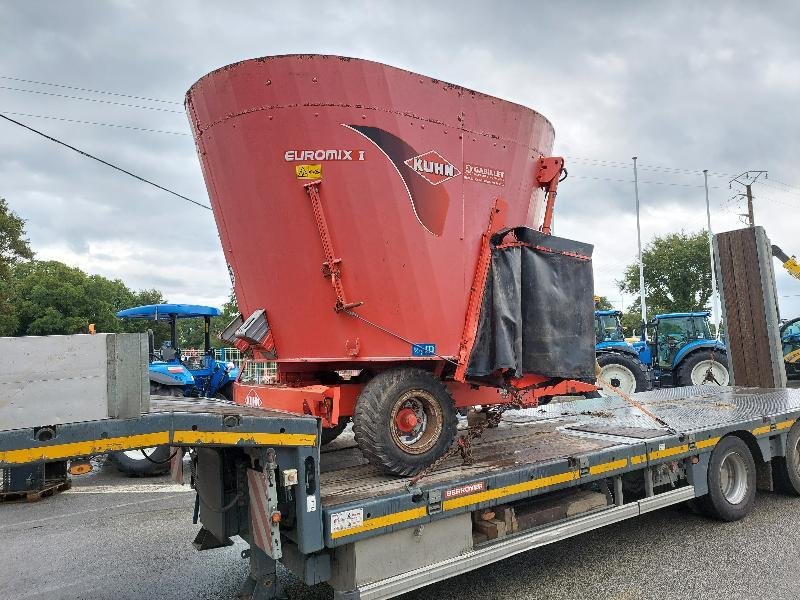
(433, 167)
(252, 398)
(463, 490)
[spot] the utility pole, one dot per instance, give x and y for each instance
(747, 179)
(714, 306)
(641, 263)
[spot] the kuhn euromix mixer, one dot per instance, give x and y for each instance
(388, 236)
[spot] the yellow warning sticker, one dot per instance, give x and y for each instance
(308, 171)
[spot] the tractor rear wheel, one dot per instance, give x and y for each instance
(404, 420)
(624, 372)
(703, 367)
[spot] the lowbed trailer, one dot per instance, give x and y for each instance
(542, 475)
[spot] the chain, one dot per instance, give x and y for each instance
(709, 376)
(633, 402)
(463, 444)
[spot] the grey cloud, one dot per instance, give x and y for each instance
(681, 85)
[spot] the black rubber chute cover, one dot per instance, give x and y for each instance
(537, 313)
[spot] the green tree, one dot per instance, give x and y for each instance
(190, 331)
(14, 248)
(677, 275)
(602, 303)
(49, 297)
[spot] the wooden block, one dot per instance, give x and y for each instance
(535, 515)
(484, 514)
(584, 502)
(491, 529)
(510, 519)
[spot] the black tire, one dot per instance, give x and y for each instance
(331, 433)
(698, 356)
(136, 465)
(629, 362)
(786, 469)
(725, 500)
(375, 425)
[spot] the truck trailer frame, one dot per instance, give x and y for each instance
(541, 476)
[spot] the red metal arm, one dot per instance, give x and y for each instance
(548, 172)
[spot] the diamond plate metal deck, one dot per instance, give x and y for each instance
(568, 430)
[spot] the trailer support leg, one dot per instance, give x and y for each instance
(648, 482)
(618, 499)
(262, 582)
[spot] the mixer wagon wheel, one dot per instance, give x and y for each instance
(331, 433)
(404, 420)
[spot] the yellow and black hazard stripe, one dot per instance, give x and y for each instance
(143, 440)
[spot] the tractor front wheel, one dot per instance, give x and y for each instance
(624, 372)
(404, 420)
(704, 368)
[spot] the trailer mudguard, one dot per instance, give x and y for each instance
(537, 311)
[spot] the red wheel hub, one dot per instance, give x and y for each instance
(406, 420)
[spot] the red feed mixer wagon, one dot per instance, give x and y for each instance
(388, 237)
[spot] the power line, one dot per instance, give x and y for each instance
(613, 164)
(672, 183)
(105, 162)
(100, 100)
(19, 114)
(82, 89)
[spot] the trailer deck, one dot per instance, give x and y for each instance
(362, 531)
(555, 446)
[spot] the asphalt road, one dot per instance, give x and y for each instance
(119, 538)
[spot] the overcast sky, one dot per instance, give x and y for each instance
(685, 86)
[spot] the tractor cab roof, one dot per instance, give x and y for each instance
(608, 313)
(165, 312)
(704, 313)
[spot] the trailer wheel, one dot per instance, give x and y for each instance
(135, 464)
(731, 481)
(786, 471)
(404, 420)
(704, 368)
(622, 371)
(331, 433)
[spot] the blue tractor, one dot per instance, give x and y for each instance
(620, 364)
(172, 374)
(790, 342)
(682, 351)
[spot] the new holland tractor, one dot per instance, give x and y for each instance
(619, 361)
(174, 374)
(790, 343)
(682, 351)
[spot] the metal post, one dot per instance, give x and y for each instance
(639, 241)
(714, 304)
(750, 219)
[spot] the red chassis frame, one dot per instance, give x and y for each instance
(331, 402)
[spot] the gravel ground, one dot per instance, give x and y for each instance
(115, 537)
